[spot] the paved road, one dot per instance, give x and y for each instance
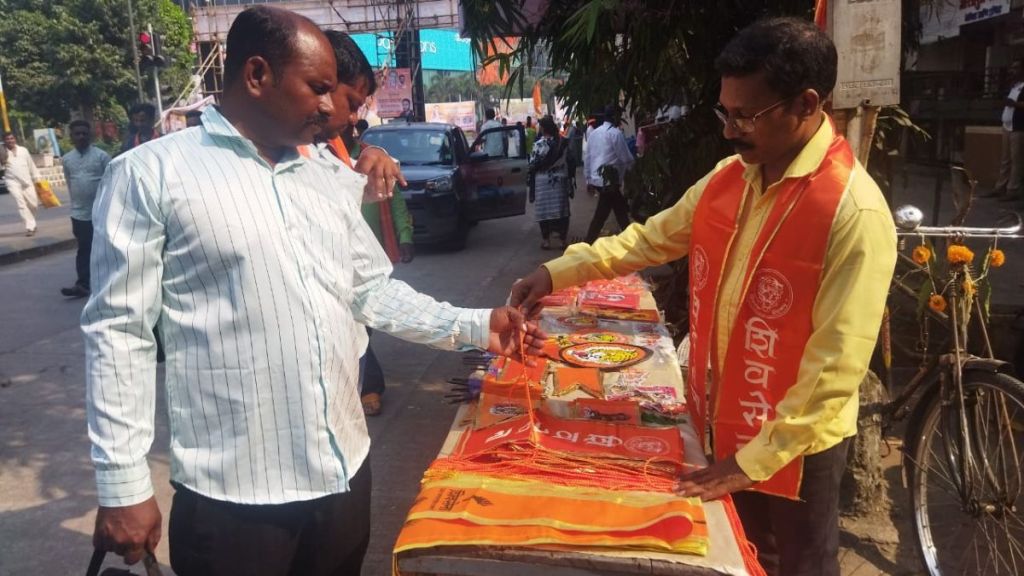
(47, 495)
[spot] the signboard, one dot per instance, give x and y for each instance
(977, 10)
(376, 47)
(444, 50)
(939, 19)
(867, 37)
(46, 141)
(517, 109)
(393, 98)
(461, 114)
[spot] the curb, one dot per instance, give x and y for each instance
(37, 251)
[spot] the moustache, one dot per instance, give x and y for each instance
(320, 120)
(739, 145)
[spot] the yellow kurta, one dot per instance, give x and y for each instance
(820, 410)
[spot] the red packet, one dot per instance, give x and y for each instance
(627, 315)
(621, 299)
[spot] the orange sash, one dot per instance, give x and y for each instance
(774, 322)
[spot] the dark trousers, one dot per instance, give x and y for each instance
(371, 376)
(323, 537)
(799, 538)
(559, 226)
(82, 230)
(609, 199)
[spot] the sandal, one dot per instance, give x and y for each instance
(371, 404)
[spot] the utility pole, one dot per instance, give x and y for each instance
(135, 51)
(156, 81)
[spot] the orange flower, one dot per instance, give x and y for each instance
(922, 254)
(959, 254)
(937, 303)
(970, 288)
(996, 258)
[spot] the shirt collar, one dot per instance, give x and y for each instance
(807, 161)
(220, 128)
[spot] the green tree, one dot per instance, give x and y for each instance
(63, 56)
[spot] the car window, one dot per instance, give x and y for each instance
(414, 147)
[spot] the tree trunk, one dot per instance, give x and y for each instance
(863, 491)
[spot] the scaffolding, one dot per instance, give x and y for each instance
(398, 20)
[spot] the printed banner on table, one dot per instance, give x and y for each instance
(393, 98)
(461, 114)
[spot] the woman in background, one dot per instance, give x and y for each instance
(549, 183)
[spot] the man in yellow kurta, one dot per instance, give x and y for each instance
(792, 248)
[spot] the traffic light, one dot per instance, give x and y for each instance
(149, 51)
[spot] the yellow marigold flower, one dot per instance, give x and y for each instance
(970, 288)
(937, 303)
(921, 255)
(959, 254)
(997, 258)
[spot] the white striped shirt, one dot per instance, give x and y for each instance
(256, 277)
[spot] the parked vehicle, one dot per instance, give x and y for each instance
(452, 184)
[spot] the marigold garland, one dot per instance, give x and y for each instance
(937, 303)
(970, 288)
(996, 258)
(959, 254)
(921, 255)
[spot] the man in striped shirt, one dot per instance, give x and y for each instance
(259, 274)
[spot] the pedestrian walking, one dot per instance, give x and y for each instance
(83, 169)
(141, 126)
(1011, 167)
(791, 250)
(549, 184)
(607, 160)
(259, 279)
(20, 176)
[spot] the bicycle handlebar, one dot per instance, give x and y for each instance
(908, 221)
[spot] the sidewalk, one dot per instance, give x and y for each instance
(53, 231)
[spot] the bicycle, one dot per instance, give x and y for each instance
(964, 439)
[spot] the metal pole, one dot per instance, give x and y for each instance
(135, 50)
(156, 87)
(3, 107)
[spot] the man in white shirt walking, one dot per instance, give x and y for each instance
(494, 143)
(20, 176)
(606, 146)
(83, 168)
(1011, 169)
(259, 274)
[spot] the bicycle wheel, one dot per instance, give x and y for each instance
(967, 521)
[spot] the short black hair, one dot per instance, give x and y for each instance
(8, 133)
(547, 126)
(489, 113)
(352, 63)
(793, 53)
(362, 125)
(260, 31)
(143, 107)
(78, 123)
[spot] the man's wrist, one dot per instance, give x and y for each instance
(123, 485)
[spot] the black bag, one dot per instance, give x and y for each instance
(96, 562)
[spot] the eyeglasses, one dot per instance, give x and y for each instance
(745, 125)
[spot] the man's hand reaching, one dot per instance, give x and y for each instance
(128, 531)
(509, 328)
(526, 293)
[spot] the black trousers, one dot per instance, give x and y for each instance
(609, 199)
(799, 538)
(323, 537)
(82, 230)
(559, 226)
(372, 377)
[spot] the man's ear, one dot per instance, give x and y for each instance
(257, 75)
(810, 101)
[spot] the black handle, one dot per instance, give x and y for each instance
(96, 562)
